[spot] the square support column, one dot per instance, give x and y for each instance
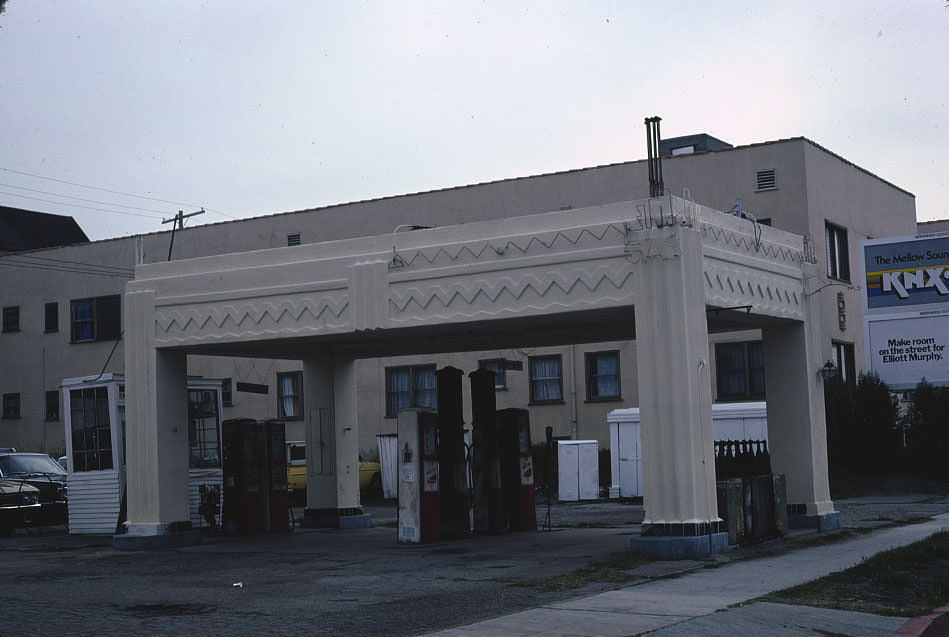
(797, 430)
(156, 399)
(332, 443)
(675, 397)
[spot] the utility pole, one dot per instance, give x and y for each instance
(180, 218)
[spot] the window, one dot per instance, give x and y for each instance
(496, 365)
(11, 319)
(838, 258)
(764, 179)
(739, 370)
(683, 150)
(227, 395)
(91, 430)
(52, 405)
(602, 372)
(11, 405)
(52, 317)
(844, 362)
(545, 379)
(204, 441)
(95, 319)
(290, 396)
(410, 386)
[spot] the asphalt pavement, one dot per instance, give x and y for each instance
(362, 582)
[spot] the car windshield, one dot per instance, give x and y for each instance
(20, 464)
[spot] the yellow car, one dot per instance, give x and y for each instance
(370, 473)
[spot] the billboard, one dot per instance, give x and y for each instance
(906, 308)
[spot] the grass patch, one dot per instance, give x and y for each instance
(614, 569)
(907, 581)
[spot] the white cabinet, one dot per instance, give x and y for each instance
(578, 470)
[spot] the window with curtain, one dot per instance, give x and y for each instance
(838, 256)
(496, 365)
(844, 362)
(545, 379)
(739, 370)
(602, 372)
(410, 386)
(290, 395)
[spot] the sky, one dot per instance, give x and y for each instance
(122, 113)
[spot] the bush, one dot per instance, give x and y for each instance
(862, 434)
(927, 434)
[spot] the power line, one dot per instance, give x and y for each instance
(56, 194)
(29, 259)
(74, 205)
(114, 192)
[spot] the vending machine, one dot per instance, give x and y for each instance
(419, 509)
(517, 468)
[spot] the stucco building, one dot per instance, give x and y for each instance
(67, 300)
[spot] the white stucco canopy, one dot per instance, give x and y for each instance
(663, 271)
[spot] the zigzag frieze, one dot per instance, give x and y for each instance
(407, 320)
(768, 296)
(732, 240)
(165, 340)
(241, 317)
(522, 245)
(508, 289)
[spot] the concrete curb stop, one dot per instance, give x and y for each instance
(933, 625)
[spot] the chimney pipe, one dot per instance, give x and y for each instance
(656, 188)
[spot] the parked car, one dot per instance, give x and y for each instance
(43, 473)
(370, 473)
(19, 501)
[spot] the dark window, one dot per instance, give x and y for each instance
(11, 405)
(290, 396)
(739, 370)
(91, 430)
(844, 362)
(11, 319)
(52, 317)
(545, 379)
(838, 257)
(602, 372)
(227, 395)
(204, 440)
(410, 386)
(95, 319)
(765, 221)
(496, 365)
(764, 179)
(52, 405)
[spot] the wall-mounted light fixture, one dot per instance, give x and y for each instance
(828, 371)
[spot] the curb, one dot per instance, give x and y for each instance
(935, 624)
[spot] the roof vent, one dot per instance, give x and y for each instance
(765, 179)
(293, 239)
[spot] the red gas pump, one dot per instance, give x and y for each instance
(419, 509)
(255, 498)
(517, 468)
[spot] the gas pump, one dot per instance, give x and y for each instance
(453, 466)
(419, 510)
(488, 504)
(255, 498)
(517, 468)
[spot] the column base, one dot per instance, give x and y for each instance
(348, 518)
(680, 541)
(156, 536)
(823, 523)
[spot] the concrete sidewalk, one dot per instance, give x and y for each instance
(712, 601)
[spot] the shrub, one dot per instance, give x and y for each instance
(927, 434)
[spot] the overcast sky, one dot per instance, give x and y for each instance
(249, 108)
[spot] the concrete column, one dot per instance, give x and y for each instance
(797, 430)
(675, 398)
(332, 443)
(156, 414)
